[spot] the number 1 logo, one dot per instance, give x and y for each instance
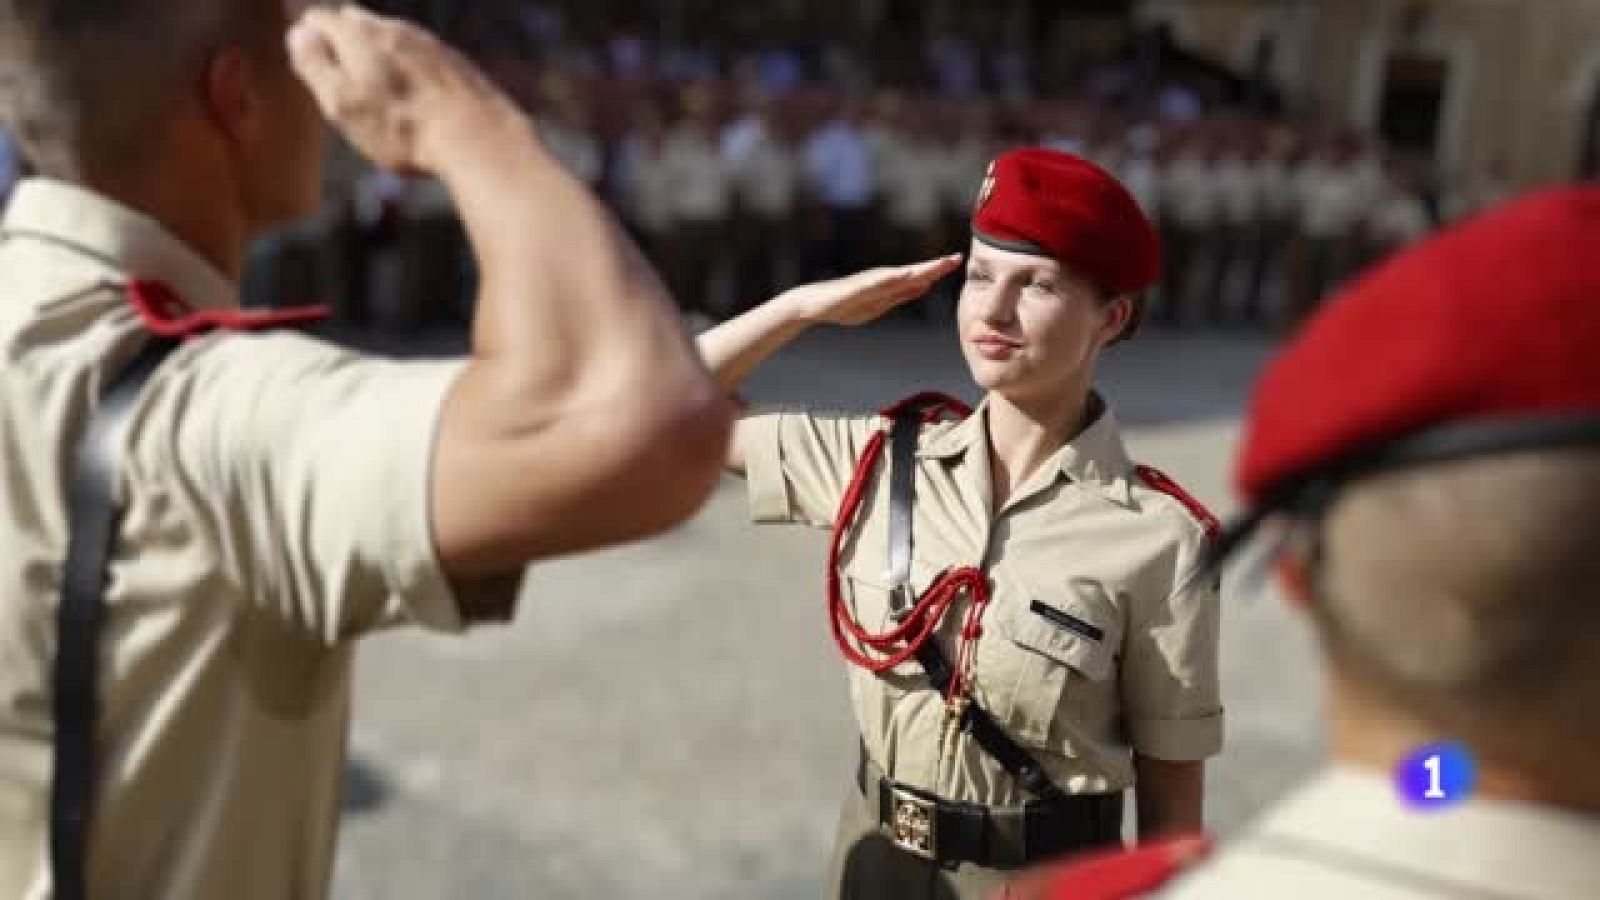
(1436, 776)
(1434, 791)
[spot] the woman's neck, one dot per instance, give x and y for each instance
(1024, 433)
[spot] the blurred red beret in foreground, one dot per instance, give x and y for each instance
(1484, 338)
(1048, 203)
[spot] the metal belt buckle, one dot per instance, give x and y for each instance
(913, 823)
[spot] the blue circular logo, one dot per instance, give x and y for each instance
(1436, 776)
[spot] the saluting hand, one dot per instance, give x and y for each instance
(404, 98)
(862, 297)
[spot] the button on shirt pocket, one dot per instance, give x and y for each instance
(1055, 656)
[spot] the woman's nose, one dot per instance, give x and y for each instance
(993, 302)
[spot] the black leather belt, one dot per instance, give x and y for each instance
(950, 832)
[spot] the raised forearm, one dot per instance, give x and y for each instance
(735, 348)
(561, 285)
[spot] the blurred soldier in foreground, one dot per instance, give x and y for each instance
(281, 496)
(1438, 517)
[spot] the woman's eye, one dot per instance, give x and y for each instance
(977, 276)
(1048, 287)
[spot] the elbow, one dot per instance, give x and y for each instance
(675, 454)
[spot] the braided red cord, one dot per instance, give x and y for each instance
(902, 642)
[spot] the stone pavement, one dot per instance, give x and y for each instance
(669, 720)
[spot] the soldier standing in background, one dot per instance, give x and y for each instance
(766, 180)
(699, 198)
(912, 193)
(1238, 215)
(1190, 201)
(1333, 204)
(1272, 251)
(639, 179)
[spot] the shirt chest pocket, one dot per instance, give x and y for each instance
(874, 606)
(1045, 657)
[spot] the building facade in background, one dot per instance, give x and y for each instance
(1485, 88)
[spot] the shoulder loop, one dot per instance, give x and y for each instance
(1158, 480)
(1127, 874)
(166, 314)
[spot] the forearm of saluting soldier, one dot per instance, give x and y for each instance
(735, 348)
(1170, 796)
(582, 387)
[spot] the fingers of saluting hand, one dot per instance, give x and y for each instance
(914, 280)
(314, 57)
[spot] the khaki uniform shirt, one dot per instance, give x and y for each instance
(1276, 183)
(1095, 643)
(1348, 834)
(275, 490)
(767, 179)
(1190, 193)
(1333, 199)
(909, 180)
(1238, 193)
(963, 166)
(700, 187)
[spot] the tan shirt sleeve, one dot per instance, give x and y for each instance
(1170, 683)
(310, 467)
(799, 464)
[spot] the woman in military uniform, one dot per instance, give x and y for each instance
(1011, 593)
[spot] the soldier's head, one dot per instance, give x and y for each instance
(1432, 443)
(1462, 596)
(1059, 255)
(142, 95)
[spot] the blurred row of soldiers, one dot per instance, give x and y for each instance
(735, 198)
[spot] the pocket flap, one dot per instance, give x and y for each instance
(1079, 634)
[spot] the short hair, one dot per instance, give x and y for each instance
(1466, 592)
(81, 80)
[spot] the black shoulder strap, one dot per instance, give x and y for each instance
(977, 722)
(91, 506)
(902, 484)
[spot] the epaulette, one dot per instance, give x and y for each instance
(1158, 480)
(165, 314)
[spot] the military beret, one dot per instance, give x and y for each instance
(1482, 339)
(1048, 203)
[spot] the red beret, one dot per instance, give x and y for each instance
(1484, 338)
(1055, 204)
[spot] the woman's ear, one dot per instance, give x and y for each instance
(1116, 319)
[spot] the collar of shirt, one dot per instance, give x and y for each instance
(122, 238)
(1350, 817)
(1096, 458)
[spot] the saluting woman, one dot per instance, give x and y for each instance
(1010, 592)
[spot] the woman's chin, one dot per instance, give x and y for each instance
(994, 376)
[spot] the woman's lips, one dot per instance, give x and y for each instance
(994, 348)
